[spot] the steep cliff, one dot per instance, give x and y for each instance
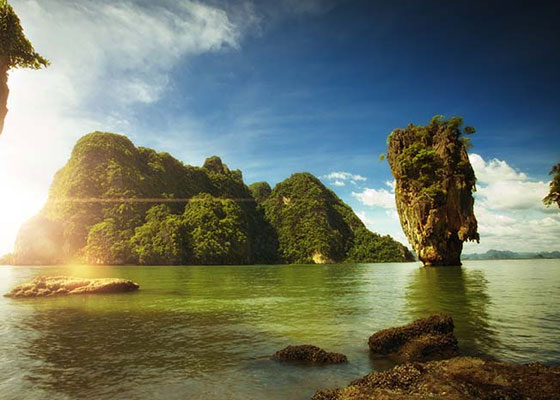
(434, 185)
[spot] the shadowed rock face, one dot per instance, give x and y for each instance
(457, 378)
(44, 286)
(425, 339)
(309, 353)
(434, 185)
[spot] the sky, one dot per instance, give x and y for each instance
(278, 87)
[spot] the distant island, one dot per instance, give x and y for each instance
(510, 255)
(115, 203)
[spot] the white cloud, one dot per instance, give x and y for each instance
(494, 170)
(501, 187)
(376, 198)
(107, 57)
(509, 210)
(339, 178)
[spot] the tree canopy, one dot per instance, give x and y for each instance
(16, 51)
(554, 193)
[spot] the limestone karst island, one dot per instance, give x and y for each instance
(280, 200)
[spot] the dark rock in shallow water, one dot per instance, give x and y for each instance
(425, 339)
(43, 286)
(457, 378)
(309, 353)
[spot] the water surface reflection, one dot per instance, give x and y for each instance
(461, 293)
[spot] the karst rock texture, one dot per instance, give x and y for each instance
(425, 339)
(310, 354)
(434, 186)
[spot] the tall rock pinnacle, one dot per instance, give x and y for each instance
(434, 185)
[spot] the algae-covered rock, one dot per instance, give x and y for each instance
(309, 353)
(434, 185)
(457, 378)
(44, 286)
(425, 339)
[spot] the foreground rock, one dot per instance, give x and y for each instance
(434, 185)
(425, 339)
(43, 286)
(309, 353)
(457, 378)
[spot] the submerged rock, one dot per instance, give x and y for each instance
(309, 353)
(434, 185)
(457, 378)
(425, 339)
(43, 286)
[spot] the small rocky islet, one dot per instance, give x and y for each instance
(49, 286)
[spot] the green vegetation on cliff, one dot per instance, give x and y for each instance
(314, 225)
(434, 185)
(260, 191)
(114, 203)
(554, 193)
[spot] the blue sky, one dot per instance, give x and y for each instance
(277, 87)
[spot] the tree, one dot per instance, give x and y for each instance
(107, 244)
(15, 52)
(162, 239)
(554, 194)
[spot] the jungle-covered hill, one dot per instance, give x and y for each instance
(115, 203)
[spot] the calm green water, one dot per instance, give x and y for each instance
(207, 332)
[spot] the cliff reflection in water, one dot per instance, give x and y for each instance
(461, 293)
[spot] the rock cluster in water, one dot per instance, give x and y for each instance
(425, 339)
(434, 185)
(432, 368)
(43, 286)
(456, 378)
(310, 354)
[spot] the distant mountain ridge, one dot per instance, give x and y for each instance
(115, 203)
(511, 255)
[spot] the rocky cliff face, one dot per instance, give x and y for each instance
(434, 185)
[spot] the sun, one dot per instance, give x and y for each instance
(17, 204)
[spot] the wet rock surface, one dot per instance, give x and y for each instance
(46, 286)
(426, 339)
(310, 354)
(456, 378)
